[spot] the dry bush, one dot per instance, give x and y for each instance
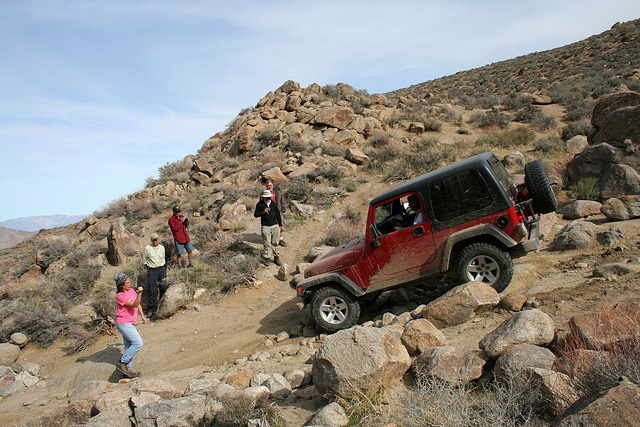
(53, 249)
(593, 370)
(77, 282)
(578, 127)
(433, 402)
(378, 139)
(509, 138)
(341, 231)
(176, 171)
(299, 189)
(243, 411)
(42, 322)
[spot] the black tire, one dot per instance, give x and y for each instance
(333, 309)
(537, 182)
(484, 262)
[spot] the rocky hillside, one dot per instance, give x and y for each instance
(329, 149)
(10, 237)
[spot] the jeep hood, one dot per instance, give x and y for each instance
(337, 258)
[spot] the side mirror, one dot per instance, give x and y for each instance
(374, 233)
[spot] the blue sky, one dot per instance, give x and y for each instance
(96, 95)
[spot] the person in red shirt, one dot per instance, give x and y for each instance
(179, 225)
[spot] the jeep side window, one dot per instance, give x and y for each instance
(388, 215)
(459, 195)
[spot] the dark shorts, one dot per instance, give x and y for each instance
(180, 247)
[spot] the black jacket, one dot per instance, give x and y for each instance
(270, 218)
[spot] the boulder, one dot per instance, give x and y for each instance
(176, 297)
(203, 166)
(19, 339)
(336, 117)
(109, 418)
(578, 234)
(554, 387)
(359, 361)
(515, 361)
(356, 156)
(114, 400)
(526, 327)
(514, 160)
(461, 304)
(593, 161)
(613, 269)
(577, 144)
(201, 386)
(513, 302)
(619, 126)
(420, 334)
(288, 87)
(332, 415)
(580, 209)
(162, 388)
(88, 390)
(72, 414)
(120, 242)
(9, 353)
(609, 103)
(606, 328)
(304, 170)
(622, 208)
(615, 406)
(619, 180)
(301, 209)
(450, 364)
(183, 411)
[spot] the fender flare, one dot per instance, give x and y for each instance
(340, 279)
(470, 233)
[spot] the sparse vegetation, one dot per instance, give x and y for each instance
(586, 189)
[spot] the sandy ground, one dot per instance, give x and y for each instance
(223, 330)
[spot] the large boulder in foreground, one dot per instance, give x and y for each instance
(359, 361)
(526, 327)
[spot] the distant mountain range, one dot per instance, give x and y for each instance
(36, 223)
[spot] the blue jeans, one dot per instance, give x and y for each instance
(132, 341)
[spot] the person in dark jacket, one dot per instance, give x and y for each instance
(279, 199)
(271, 226)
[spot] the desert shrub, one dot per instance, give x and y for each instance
(205, 231)
(579, 108)
(53, 249)
(295, 145)
(79, 281)
(379, 139)
(552, 144)
(332, 173)
(451, 115)
(41, 322)
(596, 370)
(431, 124)
(341, 231)
(433, 402)
(265, 139)
(516, 102)
(115, 208)
(81, 339)
(176, 171)
(245, 411)
(495, 117)
(517, 137)
(586, 189)
(578, 127)
(299, 189)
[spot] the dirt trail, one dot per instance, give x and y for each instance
(237, 325)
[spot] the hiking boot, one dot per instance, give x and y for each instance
(282, 243)
(189, 265)
(276, 261)
(122, 367)
(133, 375)
(264, 262)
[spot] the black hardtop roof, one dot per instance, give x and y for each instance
(478, 161)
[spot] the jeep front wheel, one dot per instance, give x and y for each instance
(483, 262)
(334, 309)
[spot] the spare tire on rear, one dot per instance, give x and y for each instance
(537, 182)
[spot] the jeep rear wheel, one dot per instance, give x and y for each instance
(537, 182)
(483, 262)
(334, 309)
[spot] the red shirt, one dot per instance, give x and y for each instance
(179, 229)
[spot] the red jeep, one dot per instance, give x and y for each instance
(466, 220)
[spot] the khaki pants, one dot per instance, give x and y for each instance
(270, 240)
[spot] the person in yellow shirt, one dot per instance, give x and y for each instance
(154, 261)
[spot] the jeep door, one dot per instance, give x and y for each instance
(406, 247)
